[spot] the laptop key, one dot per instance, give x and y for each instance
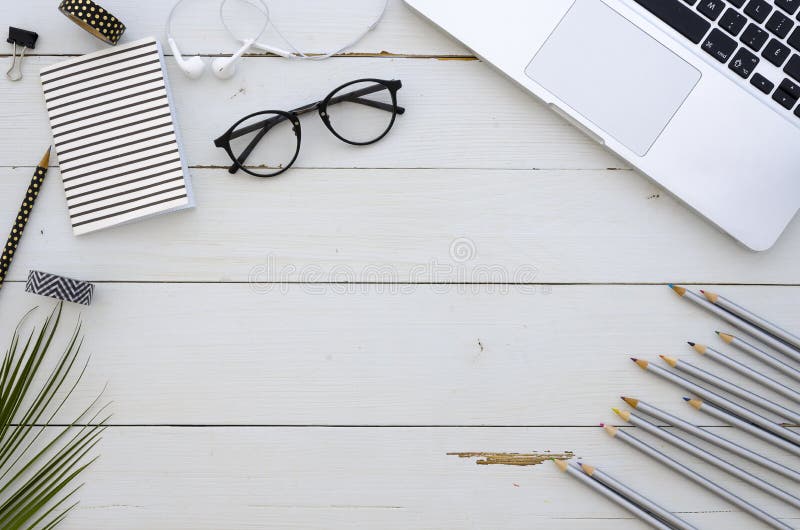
(776, 52)
(790, 87)
(743, 63)
(762, 83)
(732, 21)
(780, 24)
(794, 39)
(679, 17)
(754, 37)
(758, 10)
(711, 8)
(793, 67)
(784, 100)
(790, 6)
(719, 45)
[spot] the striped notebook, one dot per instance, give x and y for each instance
(115, 135)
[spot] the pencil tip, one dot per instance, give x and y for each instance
(686, 398)
(634, 359)
(633, 402)
(690, 343)
(678, 289)
(45, 161)
(672, 361)
(602, 425)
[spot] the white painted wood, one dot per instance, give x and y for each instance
(393, 479)
(400, 225)
(196, 345)
(316, 26)
(222, 354)
(460, 114)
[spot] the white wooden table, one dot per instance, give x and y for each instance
(304, 352)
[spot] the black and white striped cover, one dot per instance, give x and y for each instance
(115, 135)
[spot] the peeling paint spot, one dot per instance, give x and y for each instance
(480, 345)
(514, 459)
(654, 196)
(240, 91)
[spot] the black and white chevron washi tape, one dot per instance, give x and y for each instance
(54, 286)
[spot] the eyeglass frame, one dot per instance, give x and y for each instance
(321, 106)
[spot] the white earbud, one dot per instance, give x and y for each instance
(225, 67)
(192, 67)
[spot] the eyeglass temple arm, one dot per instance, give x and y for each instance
(355, 97)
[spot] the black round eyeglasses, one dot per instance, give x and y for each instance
(266, 143)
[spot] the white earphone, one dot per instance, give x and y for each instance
(221, 67)
(225, 67)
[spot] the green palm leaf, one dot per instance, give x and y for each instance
(39, 468)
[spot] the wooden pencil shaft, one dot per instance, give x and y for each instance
(736, 390)
(715, 398)
(641, 500)
(719, 441)
(714, 460)
(758, 432)
(616, 497)
(748, 328)
(762, 323)
(711, 486)
(752, 374)
(766, 358)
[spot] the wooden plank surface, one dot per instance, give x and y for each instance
(387, 478)
(222, 354)
(304, 352)
(507, 127)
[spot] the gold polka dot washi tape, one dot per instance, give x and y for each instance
(22, 217)
(94, 19)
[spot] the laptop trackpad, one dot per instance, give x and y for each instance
(613, 73)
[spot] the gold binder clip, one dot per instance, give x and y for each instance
(23, 39)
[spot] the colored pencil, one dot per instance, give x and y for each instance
(743, 369)
(24, 213)
(736, 390)
(761, 355)
(709, 458)
(734, 320)
(575, 472)
(710, 485)
(657, 510)
(720, 401)
(712, 438)
(748, 316)
(745, 426)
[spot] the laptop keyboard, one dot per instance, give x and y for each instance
(744, 34)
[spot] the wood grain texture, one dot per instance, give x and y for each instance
(402, 226)
(368, 478)
(461, 114)
(222, 354)
(314, 26)
(303, 353)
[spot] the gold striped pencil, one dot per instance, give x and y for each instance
(748, 316)
(743, 369)
(734, 421)
(714, 439)
(736, 390)
(734, 320)
(761, 355)
(710, 485)
(714, 398)
(707, 457)
(636, 497)
(21, 220)
(576, 473)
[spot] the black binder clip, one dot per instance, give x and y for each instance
(24, 39)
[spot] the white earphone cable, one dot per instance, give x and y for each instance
(295, 53)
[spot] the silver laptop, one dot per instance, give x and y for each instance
(700, 95)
